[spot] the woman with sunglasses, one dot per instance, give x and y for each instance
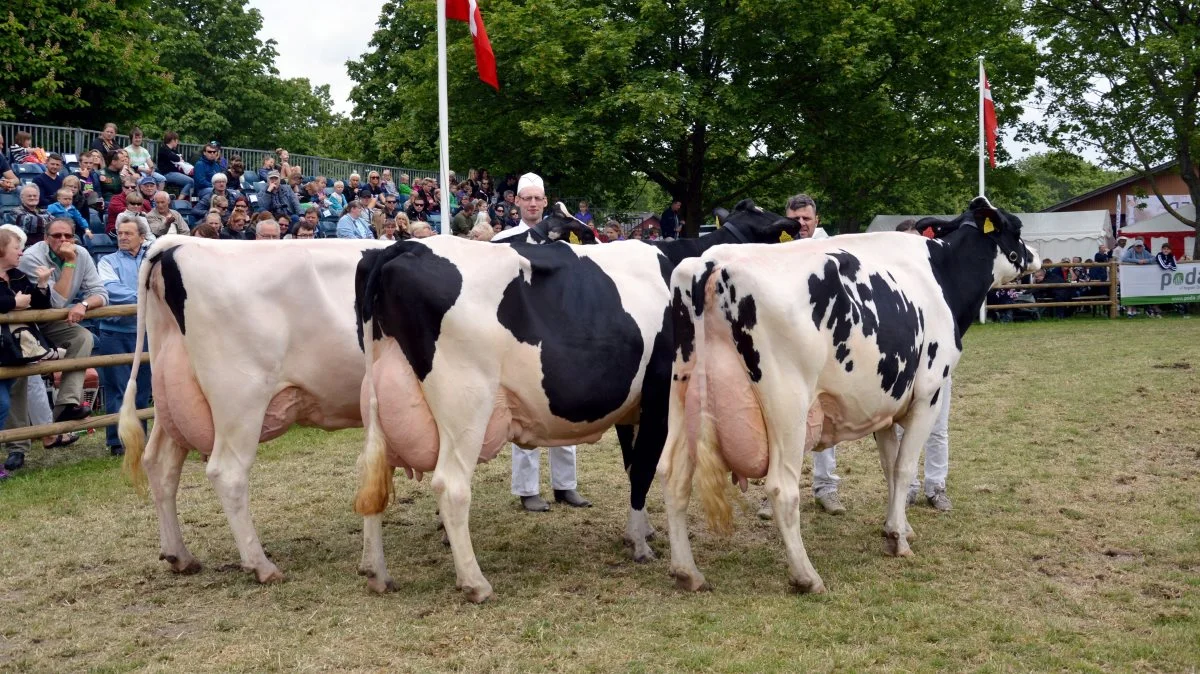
(416, 209)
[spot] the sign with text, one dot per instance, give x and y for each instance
(1151, 284)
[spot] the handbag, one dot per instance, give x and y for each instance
(185, 168)
(22, 343)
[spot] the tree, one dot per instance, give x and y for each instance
(78, 63)
(226, 86)
(1123, 77)
(867, 105)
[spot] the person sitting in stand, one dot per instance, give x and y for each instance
(65, 208)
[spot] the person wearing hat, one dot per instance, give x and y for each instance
(1137, 254)
(526, 463)
(1118, 250)
(146, 187)
(208, 165)
(279, 197)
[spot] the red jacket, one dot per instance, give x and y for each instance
(117, 207)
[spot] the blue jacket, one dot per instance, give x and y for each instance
(58, 211)
(119, 274)
(203, 173)
(1132, 256)
(349, 228)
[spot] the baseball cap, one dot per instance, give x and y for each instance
(272, 174)
(147, 180)
(364, 191)
(213, 143)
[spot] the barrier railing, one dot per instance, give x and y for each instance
(76, 141)
(67, 365)
(1109, 298)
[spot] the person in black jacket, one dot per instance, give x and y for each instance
(169, 164)
(17, 293)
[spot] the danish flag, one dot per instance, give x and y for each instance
(989, 121)
(485, 59)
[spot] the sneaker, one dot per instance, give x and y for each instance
(913, 493)
(938, 500)
(764, 511)
(830, 503)
(14, 461)
(116, 450)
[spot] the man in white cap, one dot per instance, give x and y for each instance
(526, 474)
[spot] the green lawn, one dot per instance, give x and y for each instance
(1074, 543)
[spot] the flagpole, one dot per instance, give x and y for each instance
(443, 118)
(982, 140)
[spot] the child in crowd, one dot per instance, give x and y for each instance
(64, 208)
(337, 200)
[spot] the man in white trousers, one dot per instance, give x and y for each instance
(526, 463)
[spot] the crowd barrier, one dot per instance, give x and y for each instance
(1108, 297)
(67, 365)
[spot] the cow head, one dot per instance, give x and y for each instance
(560, 225)
(749, 223)
(998, 230)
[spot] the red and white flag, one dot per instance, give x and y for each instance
(989, 121)
(485, 59)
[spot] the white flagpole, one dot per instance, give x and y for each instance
(443, 118)
(982, 140)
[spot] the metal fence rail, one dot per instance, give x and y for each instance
(75, 141)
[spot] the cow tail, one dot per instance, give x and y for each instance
(711, 469)
(129, 428)
(375, 475)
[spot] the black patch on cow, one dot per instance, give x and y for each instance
(591, 348)
(849, 365)
(747, 318)
(666, 268)
(698, 283)
(933, 347)
(173, 291)
(415, 289)
(685, 331)
(933, 401)
(946, 372)
(893, 321)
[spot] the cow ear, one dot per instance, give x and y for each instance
(789, 229)
(562, 210)
(988, 220)
(722, 215)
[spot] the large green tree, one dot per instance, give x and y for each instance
(1123, 77)
(78, 62)
(226, 86)
(869, 105)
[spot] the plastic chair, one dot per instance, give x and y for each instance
(10, 199)
(26, 169)
(181, 205)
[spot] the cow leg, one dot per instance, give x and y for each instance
(785, 447)
(899, 461)
(228, 471)
(676, 469)
(163, 463)
(626, 433)
(373, 564)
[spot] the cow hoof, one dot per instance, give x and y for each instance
(644, 557)
(186, 566)
(814, 586)
(895, 545)
(445, 538)
(380, 585)
(691, 582)
(268, 574)
(478, 595)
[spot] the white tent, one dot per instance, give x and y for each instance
(1054, 235)
(1166, 228)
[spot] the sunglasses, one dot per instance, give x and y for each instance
(60, 236)
(419, 205)
(390, 201)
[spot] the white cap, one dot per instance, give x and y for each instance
(530, 180)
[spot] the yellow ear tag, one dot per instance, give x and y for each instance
(785, 237)
(988, 227)
(574, 238)
(718, 222)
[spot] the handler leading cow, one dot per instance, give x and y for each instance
(783, 348)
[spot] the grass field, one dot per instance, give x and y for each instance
(1074, 544)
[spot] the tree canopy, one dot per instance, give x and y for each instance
(1123, 77)
(868, 107)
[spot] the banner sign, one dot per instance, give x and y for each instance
(1151, 284)
(1139, 209)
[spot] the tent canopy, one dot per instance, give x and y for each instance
(1054, 235)
(1164, 223)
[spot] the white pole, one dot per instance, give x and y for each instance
(443, 118)
(982, 140)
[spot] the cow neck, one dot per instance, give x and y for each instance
(963, 269)
(681, 249)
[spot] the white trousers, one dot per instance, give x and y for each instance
(937, 455)
(526, 474)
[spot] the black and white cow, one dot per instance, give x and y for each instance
(470, 345)
(815, 343)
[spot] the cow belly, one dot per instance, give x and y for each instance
(180, 405)
(734, 410)
(294, 405)
(409, 431)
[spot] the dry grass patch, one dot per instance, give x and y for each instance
(1074, 544)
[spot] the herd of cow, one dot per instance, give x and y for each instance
(710, 359)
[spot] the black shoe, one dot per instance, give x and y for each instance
(73, 412)
(15, 460)
(534, 504)
(571, 498)
(116, 450)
